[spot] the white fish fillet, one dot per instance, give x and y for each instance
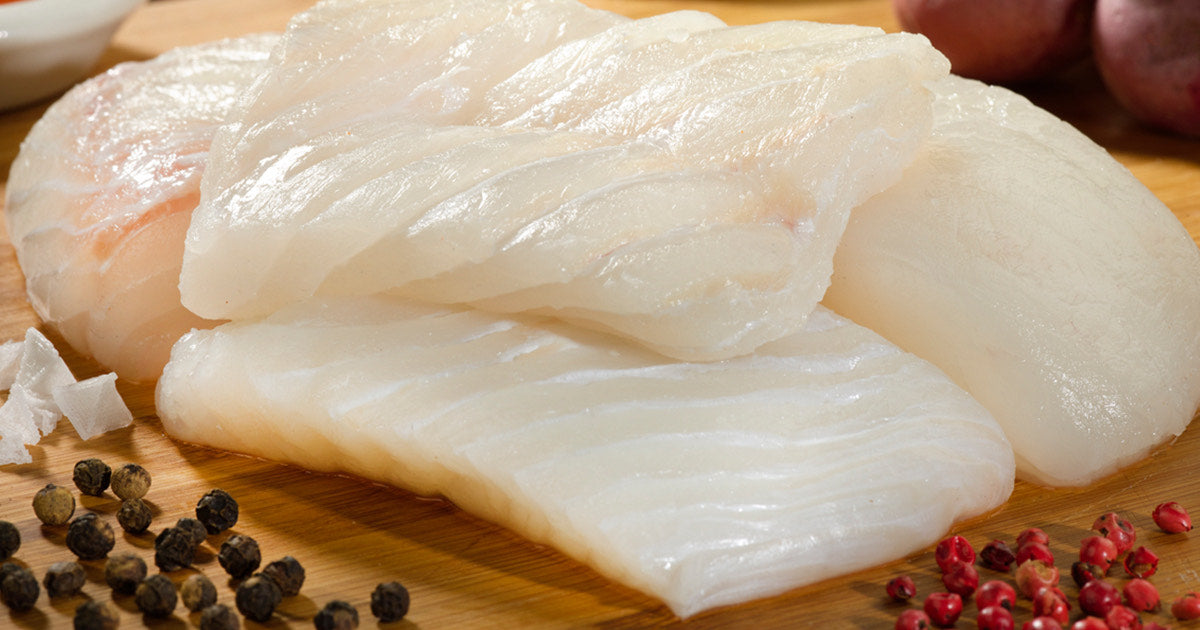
(1035, 270)
(695, 210)
(702, 484)
(100, 196)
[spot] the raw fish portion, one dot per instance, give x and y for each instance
(695, 210)
(702, 484)
(101, 194)
(1035, 270)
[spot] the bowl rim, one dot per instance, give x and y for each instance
(31, 21)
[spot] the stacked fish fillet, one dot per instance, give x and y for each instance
(574, 287)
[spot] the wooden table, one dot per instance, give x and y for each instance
(462, 572)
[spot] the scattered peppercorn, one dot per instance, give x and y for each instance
(390, 600)
(219, 617)
(1187, 607)
(134, 516)
(997, 556)
(257, 597)
(174, 549)
(952, 550)
(197, 592)
(943, 608)
(900, 588)
(1172, 518)
(1141, 595)
(89, 537)
(337, 615)
(19, 588)
(53, 505)
(240, 556)
(92, 476)
(64, 579)
(155, 596)
(288, 575)
(1141, 563)
(124, 571)
(94, 615)
(217, 510)
(10, 540)
(1117, 529)
(962, 579)
(130, 481)
(194, 528)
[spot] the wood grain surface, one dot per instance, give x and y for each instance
(465, 573)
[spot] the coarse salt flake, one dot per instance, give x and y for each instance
(93, 405)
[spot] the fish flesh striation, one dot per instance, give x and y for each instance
(695, 210)
(702, 484)
(1044, 278)
(101, 193)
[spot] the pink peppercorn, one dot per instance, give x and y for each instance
(961, 579)
(913, 619)
(997, 556)
(1187, 607)
(1119, 530)
(1084, 572)
(1097, 597)
(1140, 595)
(1141, 562)
(1099, 551)
(996, 593)
(1034, 551)
(943, 608)
(1090, 623)
(1034, 575)
(901, 588)
(1032, 534)
(1172, 518)
(995, 618)
(1121, 618)
(953, 550)
(1050, 602)
(1041, 623)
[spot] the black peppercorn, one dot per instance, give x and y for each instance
(219, 617)
(193, 527)
(197, 592)
(288, 575)
(89, 537)
(10, 540)
(53, 505)
(257, 597)
(174, 549)
(123, 572)
(19, 588)
(134, 516)
(130, 481)
(64, 579)
(389, 601)
(217, 510)
(239, 556)
(94, 615)
(155, 596)
(91, 476)
(336, 615)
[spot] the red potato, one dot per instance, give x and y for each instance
(1002, 41)
(1148, 52)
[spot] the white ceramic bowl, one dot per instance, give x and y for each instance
(48, 45)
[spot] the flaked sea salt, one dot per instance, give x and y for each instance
(41, 389)
(93, 405)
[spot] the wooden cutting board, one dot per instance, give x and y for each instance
(465, 573)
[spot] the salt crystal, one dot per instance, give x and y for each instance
(10, 360)
(17, 428)
(93, 405)
(41, 370)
